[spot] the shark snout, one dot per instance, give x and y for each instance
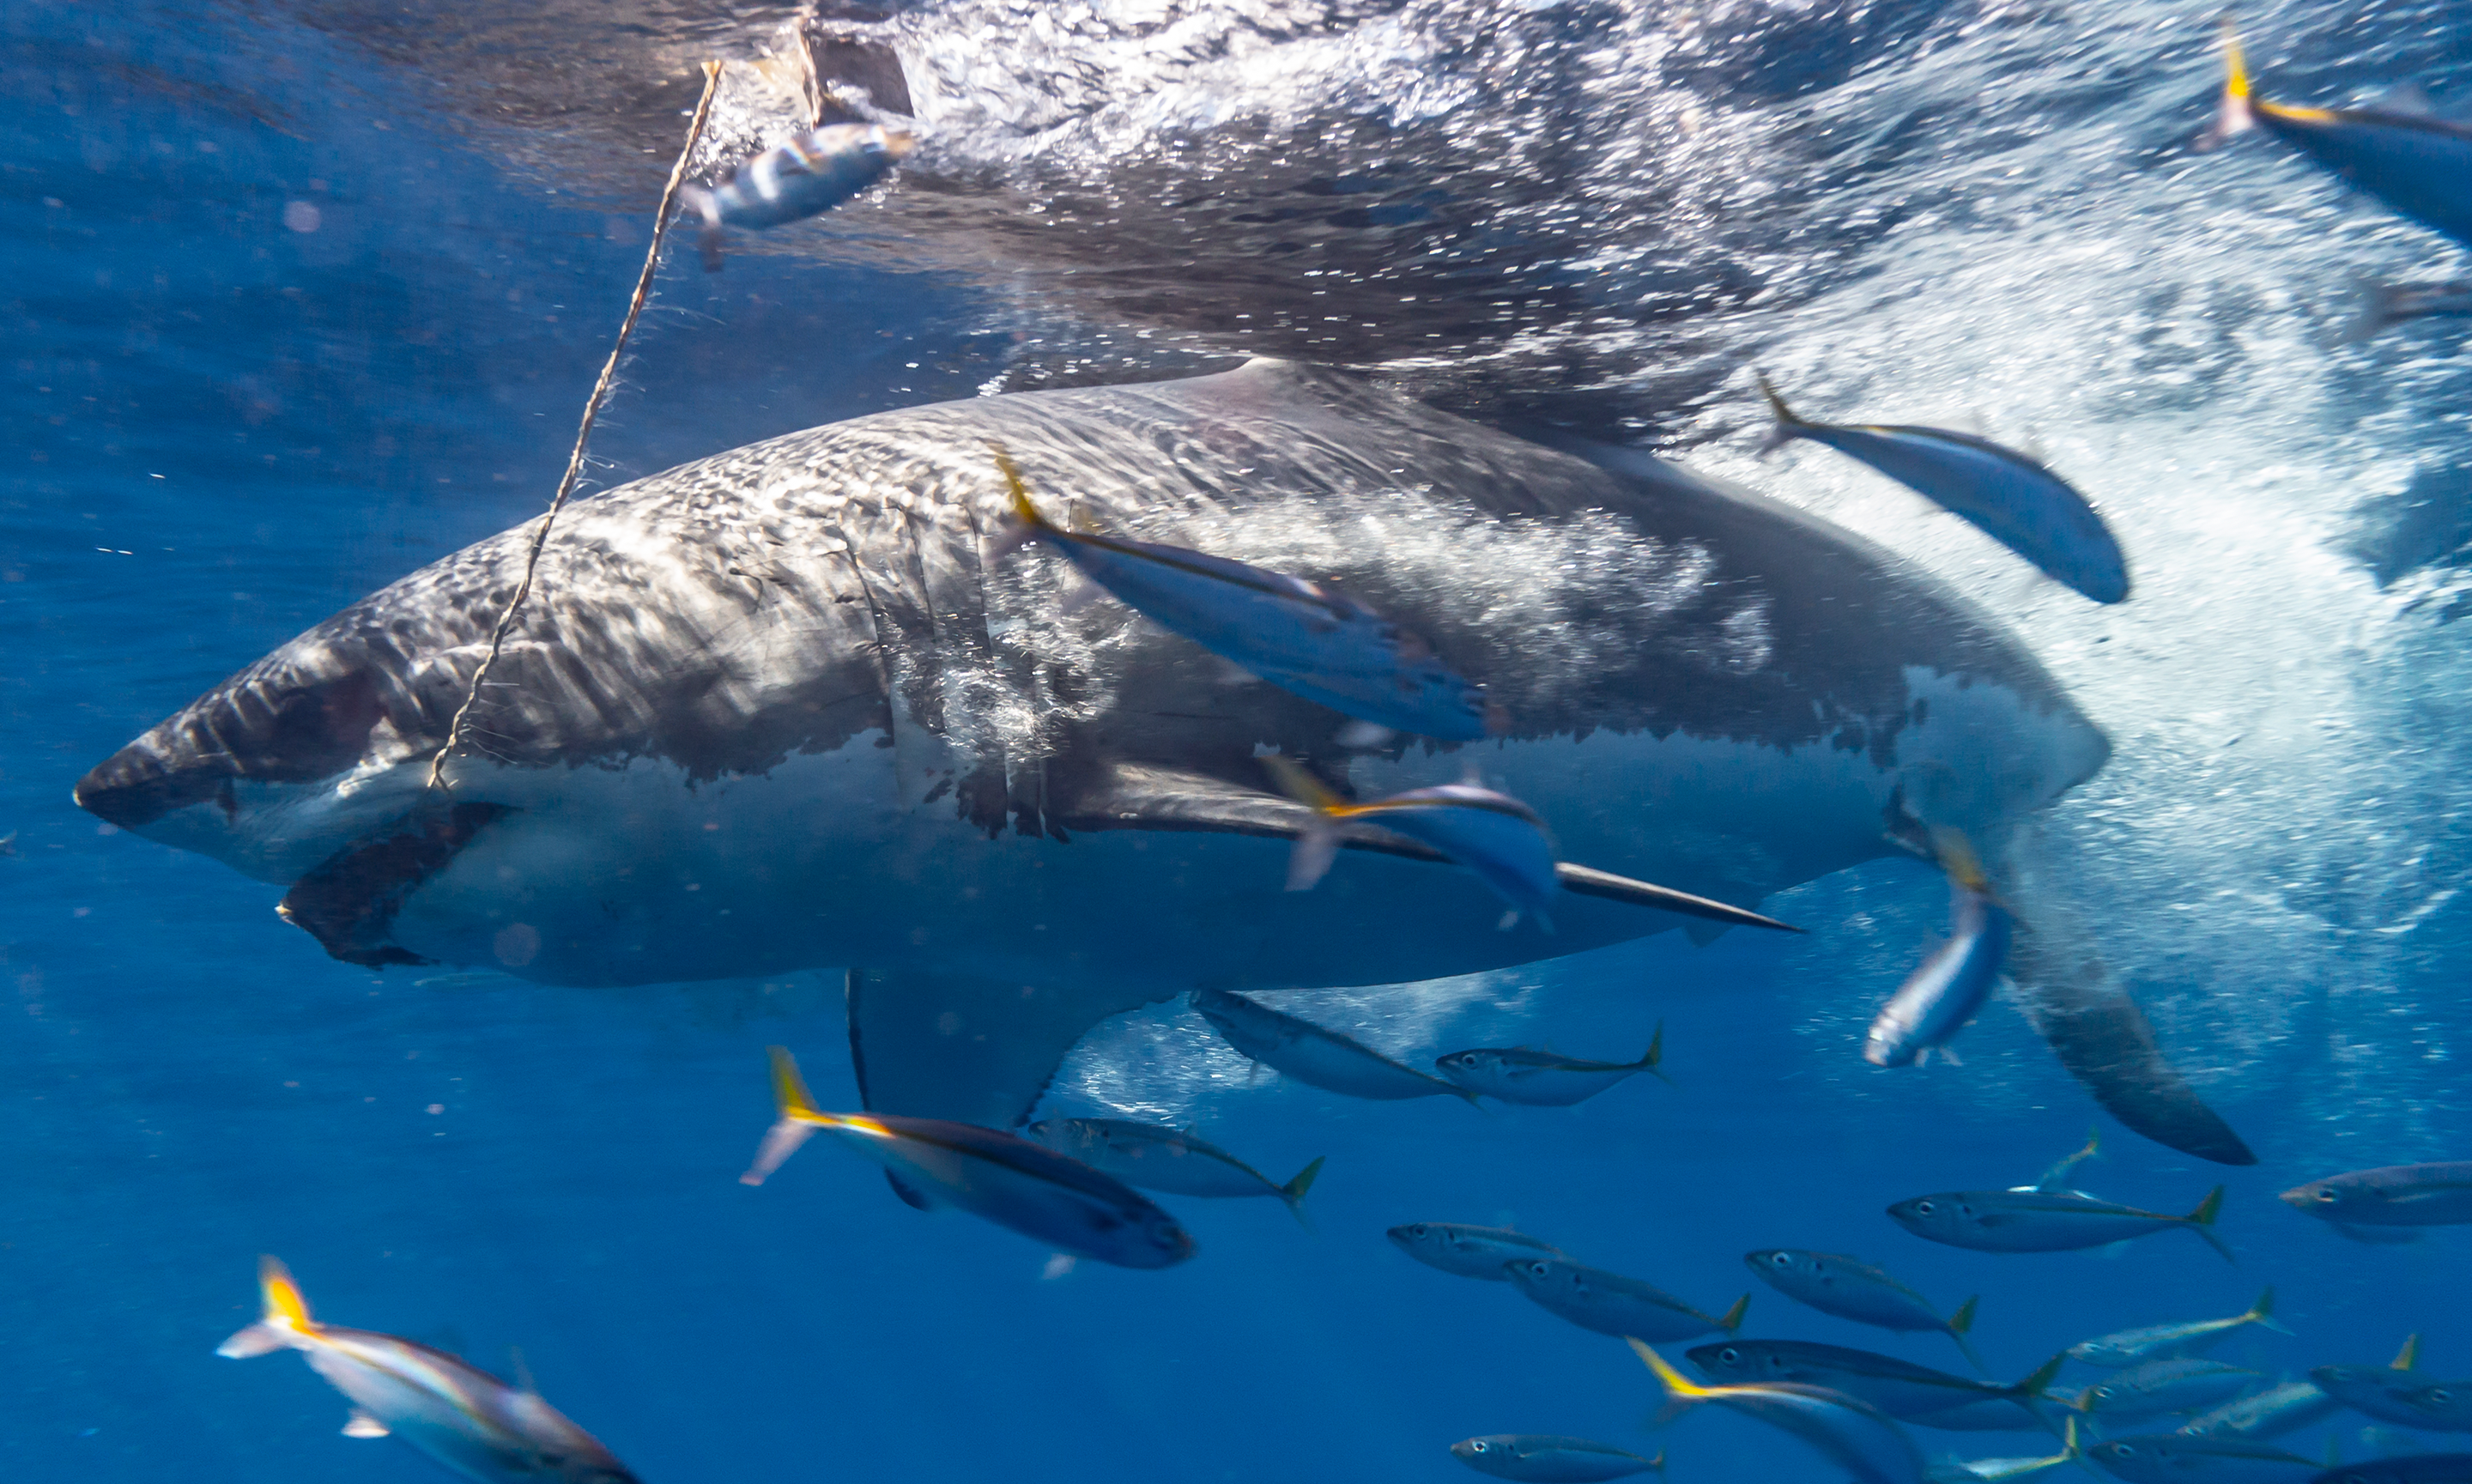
(267, 729)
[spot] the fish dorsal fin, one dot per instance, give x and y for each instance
(523, 1371)
(360, 1425)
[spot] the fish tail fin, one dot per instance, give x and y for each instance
(2236, 115)
(2374, 312)
(1957, 857)
(2261, 1313)
(1317, 843)
(1654, 1063)
(1656, 1465)
(2202, 1222)
(1783, 433)
(1293, 1191)
(1031, 524)
(1298, 783)
(2069, 1448)
(1681, 1394)
(1961, 1323)
(1733, 1317)
(2036, 1382)
(799, 1119)
(2408, 1358)
(285, 1316)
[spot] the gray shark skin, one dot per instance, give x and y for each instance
(782, 708)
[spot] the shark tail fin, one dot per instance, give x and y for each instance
(1787, 424)
(799, 1119)
(1654, 1063)
(1681, 1394)
(2261, 1313)
(1733, 1317)
(284, 1320)
(1293, 1191)
(2202, 1222)
(1959, 1325)
(2236, 116)
(2408, 1358)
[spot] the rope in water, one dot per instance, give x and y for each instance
(583, 434)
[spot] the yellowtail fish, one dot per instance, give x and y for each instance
(2169, 1458)
(2418, 165)
(1945, 993)
(2270, 1413)
(2065, 1168)
(805, 174)
(1850, 1288)
(2156, 1388)
(1469, 1251)
(1307, 639)
(1997, 1470)
(2159, 1342)
(2393, 1196)
(1493, 835)
(2385, 304)
(1910, 1392)
(2045, 1220)
(2400, 1393)
(1157, 1158)
(1315, 1057)
(1537, 1459)
(2008, 497)
(1854, 1435)
(996, 1177)
(457, 1414)
(1610, 1304)
(1544, 1079)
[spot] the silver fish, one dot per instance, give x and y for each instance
(2270, 1413)
(2003, 494)
(807, 174)
(2064, 1168)
(2394, 1195)
(2169, 1458)
(2158, 1342)
(1155, 1157)
(2376, 1391)
(1304, 637)
(1315, 1057)
(1854, 1435)
(996, 1177)
(1610, 1304)
(1539, 1459)
(1469, 1251)
(2409, 1469)
(1498, 839)
(1544, 1079)
(1947, 989)
(1908, 1391)
(2044, 1220)
(2385, 304)
(1850, 1288)
(2185, 1384)
(1996, 1471)
(457, 1414)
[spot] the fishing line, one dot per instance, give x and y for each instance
(583, 434)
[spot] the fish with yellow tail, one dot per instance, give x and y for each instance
(1851, 1288)
(804, 175)
(994, 1176)
(1854, 1436)
(1545, 1079)
(2402, 1393)
(2126, 1347)
(1307, 639)
(1315, 1055)
(2418, 165)
(457, 1414)
(1998, 1470)
(1945, 993)
(2008, 497)
(2045, 1220)
(1611, 1304)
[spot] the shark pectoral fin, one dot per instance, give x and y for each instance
(362, 1426)
(971, 1050)
(348, 900)
(2104, 1040)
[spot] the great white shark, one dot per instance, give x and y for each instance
(803, 704)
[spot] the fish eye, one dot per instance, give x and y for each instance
(1922, 1208)
(2326, 1197)
(2441, 1396)
(1729, 1356)
(1783, 1259)
(1477, 1447)
(2122, 1451)
(1417, 1229)
(1540, 1269)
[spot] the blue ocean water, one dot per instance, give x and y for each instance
(291, 314)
